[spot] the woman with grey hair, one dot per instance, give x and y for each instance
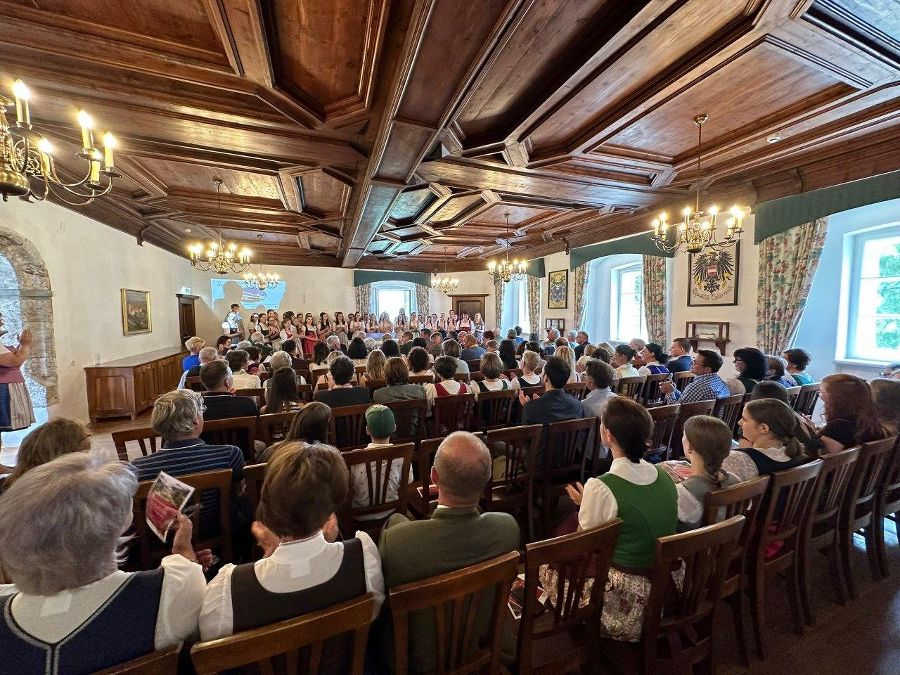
(69, 609)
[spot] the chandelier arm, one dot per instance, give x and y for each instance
(87, 199)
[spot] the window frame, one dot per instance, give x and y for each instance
(615, 284)
(522, 306)
(406, 286)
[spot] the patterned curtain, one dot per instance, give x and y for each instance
(498, 304)
(364, 298)
(534, 304)
(787, 265)
(422, 299)
(582, 274)
(655, 306)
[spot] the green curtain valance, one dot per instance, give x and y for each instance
(362, 277)
(535, 268)
(778, 215)
(636, 243)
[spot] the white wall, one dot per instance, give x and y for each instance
(89, 263)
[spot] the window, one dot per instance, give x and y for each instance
(873, 317)
(626, 303)
(515, 306)
(390, 296)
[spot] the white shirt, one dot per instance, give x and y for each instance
(598, 504)
(180, 600)
(493, 385)
(360, 483)
(452, 386)
(742, 465)
(244, 380)
(627, 370)
(292, 567)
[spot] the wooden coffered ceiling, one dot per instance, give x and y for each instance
(401, 133)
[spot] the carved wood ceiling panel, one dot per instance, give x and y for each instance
(399, 132)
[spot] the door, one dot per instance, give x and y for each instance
(470, 304)
(187, 326)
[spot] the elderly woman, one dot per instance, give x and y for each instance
(279, 360)
(59, 436)
(777, 371)
(492, 368)
(531, 361)
(193, 345)
(396, 376)
(304, 568)
(69, 609)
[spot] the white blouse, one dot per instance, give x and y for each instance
(598, 503)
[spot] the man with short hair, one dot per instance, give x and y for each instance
(341, 392)
(555, 405)
(549, 346)
(706, 385)
(425, 333)
(333, 342)
(518, 339)
(406, 344)
(434, 347)
(680, 351)
(218, 398)
(235, 323)
(293, 350)
(637, 344)
(473, 350)
(598, 377)
(581, 341)
(491, 347)
(456, 536)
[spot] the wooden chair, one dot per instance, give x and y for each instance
(630, 386)
(254, 477)
(512, 373)
(807, 398)
(823, 530)
(665, 419)
(305, 392)
(563, 462)
(678, 627)
(421, 379)
(274, 427)
(347, 428)
(682, 379)
(463, 377)
(493, 409)
(194, 384)
(860, 510)
(512, 489)
(375, 385)
(793, 393)
(359, 372)
(257, 393)
(374, 467)
(651, 393)
(421, 499)
(578, 558)
(239, 431)
(293, 646)
(686, 411)
(146, 439)
(889, 504)
(729, 410)
(444, 609)
(410, 418)
(744, 499)
(476, 376)
(788, 504)
(147, 547)
(474, 365)
(163, 662)
(577, 389)
(452, 413)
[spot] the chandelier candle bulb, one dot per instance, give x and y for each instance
(87, 124)
(109, 144)
(21, 93)
(95, 167)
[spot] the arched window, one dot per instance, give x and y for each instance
(390, 296)
(614, 299)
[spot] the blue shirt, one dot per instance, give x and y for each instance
(190, 361)
(680, 365)
(702, 388)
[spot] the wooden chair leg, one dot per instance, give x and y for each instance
(837, 578)
(803, 563)
(737, 612)
(846, 547)
(758, 609)
(794, 599)
(870, 534)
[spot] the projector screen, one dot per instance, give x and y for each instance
(251, 298)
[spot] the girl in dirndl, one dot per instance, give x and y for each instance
(16, 411)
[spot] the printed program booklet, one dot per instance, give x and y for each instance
(166, 498)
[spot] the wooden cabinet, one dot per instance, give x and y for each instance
(127, 387)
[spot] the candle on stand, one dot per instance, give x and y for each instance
(95, 167)
(20, 91)
(109, 144)
(45, 149)
(86, 124)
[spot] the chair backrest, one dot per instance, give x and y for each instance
(567, 443)
(377, 467)
(494, 409)
(148, 546)
(806, 399)
(454, 599)
(193, 382)
(831, 489)
(678, 624)
(257, 392)
(875, 458)
(788, 505)
(729, 410)
(744, 499)
(254, 477)
(163, 662)
(517, 447)
(274, 427)
(531, 391)
(682, 378)
(474, 365)
(421, 379)
(890, 501)
(305, 392)
(452, 413)
(462, 377)
(239, 431)
(651, 393)
(793, 393)
(511, 373)
(295, 646)
(577, 558)
(347, 428)
(688, 410)
(577, 389)
(375, 385)
(409, 417)
(665, 417)
(146, 439)
(424, 460)
(630, 386)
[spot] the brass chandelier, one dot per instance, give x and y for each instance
(698, 229)
(444, 284)
(27, 169)
(261, 280)
(217, 256)
(507, 270)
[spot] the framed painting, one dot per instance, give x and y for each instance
(135, 312)
(714, 277)
(558, 324)
(558, 289)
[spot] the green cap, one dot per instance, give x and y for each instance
(380, 420)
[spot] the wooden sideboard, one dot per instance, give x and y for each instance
(126, 387)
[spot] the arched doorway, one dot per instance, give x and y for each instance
(26, 300)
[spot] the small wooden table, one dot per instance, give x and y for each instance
(720, 339)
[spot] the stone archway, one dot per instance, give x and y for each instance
(26, 300)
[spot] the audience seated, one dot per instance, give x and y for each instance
(456, 535)
(644, 497)
(357, 351)
(435, 344)
(279, 360)
(292, 349)
(531, 361)
(341, 392)
(777, 371)
(581, 341)
(680, 351)
(55, 438)
(797, 362)
(473, 350)
(281, 394)
(806, 430)
(769, 441)
(419, 362)
(751, 366)
(305, 568)
(69, 609)
(398, 388)
(205, 355)
(886, 396)
(621, 361)
(637, 344)
(309, 425)
(706, 443)
(390, 348)
(555, 404)
(891, 371)
(254, 355)
(507, 353)
(374, 367)
(450, 348)
(238, 362)
(492, 369)
(380, 424)
(850, 414)
(654, 359)
(218, 399)
(444, 370)
(193, 345)
(706, 385)
(598, 378)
